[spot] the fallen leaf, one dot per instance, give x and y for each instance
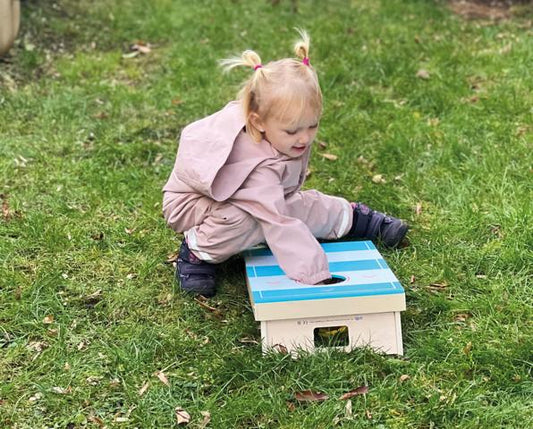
(412, 279)
(422, 74)
(130, 55)
(308, 173)
(144, 388)
(162, 377)
(361, 390)
(61, 390)
(206, 420)
(248, 340)
(48, 319)
(176, 101)
(97, 236)
(322, 145)
(348, 409)
(35, 397)
(280, 348)
(310, 396)
(329, 156)
(438, 286)
(5, 207)
(93, 380)
(101, 115)
(97, 420)
(467, 348)
(182, 416)
(418, 209)
(404, 377)
(129, 231)
(37, 346)
(82, 345)
(461, 317)
(290, 406)
(121, 419)
(378, 179)
(216, 312)
(368, 414)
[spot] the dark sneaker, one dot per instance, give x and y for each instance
(195, 276)
(372, 225)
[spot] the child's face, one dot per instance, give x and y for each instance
(291, 138)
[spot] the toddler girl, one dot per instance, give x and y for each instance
(237, 178)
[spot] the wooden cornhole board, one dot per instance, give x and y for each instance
(363, 309)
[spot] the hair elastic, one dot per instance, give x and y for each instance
(306, 61)
(258, 66)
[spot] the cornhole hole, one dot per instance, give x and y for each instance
(361, 309)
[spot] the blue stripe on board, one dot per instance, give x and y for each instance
(250, 272)
(346, 246)
(275, 270)
(337, 246)
(310, 293)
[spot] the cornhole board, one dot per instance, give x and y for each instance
(366, 302)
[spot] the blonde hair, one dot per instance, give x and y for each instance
(285, 88)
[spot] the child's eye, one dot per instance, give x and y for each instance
(291, 132)
(314, 126)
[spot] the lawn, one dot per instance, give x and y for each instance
(430, 117)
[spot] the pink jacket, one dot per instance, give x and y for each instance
(218, 159)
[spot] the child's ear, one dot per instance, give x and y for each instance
(256, 121)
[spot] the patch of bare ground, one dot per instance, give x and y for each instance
(495, 10)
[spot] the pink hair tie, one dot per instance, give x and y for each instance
(258, 66)
(306, 61)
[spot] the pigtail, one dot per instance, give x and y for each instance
(248, 58)
(301, 48)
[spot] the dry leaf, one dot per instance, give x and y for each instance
(329, 156)
(93, 380)
(206, 420)
(120, 419)
(361, 390)
(422, 74)
(37, 346)
(61, 390)
(378, 178)
(97, 420)
(368, 414)
(35, 397)
(82, 345)
(162, 377)
(461, 317)
(404, 377)
(438, 286)
(290, 406)
(412, 279)
(48, 319)
(280, 348)
(418, 209)
(310, 396)
(216, 312)
(322, 145)
(5, 207)
(247, 340)
(182, 416)
(308, 173)
(467, 348)
(143, 389)
(348, 409)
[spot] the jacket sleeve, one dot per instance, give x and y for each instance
(296, 249)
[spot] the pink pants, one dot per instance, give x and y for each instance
(215, 231)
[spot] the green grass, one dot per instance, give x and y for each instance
(88, 138)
